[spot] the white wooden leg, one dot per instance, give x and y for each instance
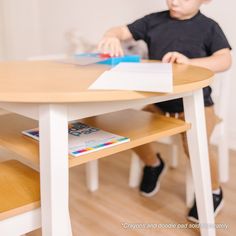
(189, 186)
(223, 149)
(198, 151)
(223, 154)
(173, 142)
(70, 232)
(174, 156)
(92, 176)
(54, 181)
(175, 152)
(135, 170)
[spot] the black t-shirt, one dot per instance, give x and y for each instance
(197, 37)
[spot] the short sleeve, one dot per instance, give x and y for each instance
(139, 28)
(216, 40)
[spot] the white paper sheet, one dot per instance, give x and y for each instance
(151, 77)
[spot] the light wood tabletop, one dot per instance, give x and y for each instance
(54, 82)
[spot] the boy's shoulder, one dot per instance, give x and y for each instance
(208, 20)
(205, 22)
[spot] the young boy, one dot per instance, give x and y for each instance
(180, 35)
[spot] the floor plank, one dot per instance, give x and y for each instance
(114, 208)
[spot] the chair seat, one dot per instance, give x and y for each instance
(19, 189)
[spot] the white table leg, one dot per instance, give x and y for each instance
(135, 172)
(189, 186)
(198, 150)
(92, 176)
(223, 154)
(54, 180)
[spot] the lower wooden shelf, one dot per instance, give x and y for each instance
(140, 126)
(19, 189)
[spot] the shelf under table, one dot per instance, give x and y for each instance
(140, 126)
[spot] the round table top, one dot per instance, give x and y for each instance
(54, 82)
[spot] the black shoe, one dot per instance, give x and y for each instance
(218, 203)
(150, 183)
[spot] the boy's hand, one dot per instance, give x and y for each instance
(175, 57)
(110, 45)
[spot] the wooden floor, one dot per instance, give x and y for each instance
(115, 208)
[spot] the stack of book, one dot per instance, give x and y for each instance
(84, 139)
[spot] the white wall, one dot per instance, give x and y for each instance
(21, 29)
(1, 31)
(91, 18)
(33, 27)
(40, 26)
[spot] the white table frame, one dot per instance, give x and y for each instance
(54, 169)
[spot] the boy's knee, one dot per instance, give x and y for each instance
(152, 108)
(211, 119)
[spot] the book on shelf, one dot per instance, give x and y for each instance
(84, 139)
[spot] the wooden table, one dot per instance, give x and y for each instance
(55, 93)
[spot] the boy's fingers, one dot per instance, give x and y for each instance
(173, 58)
(107, 47)
(110, 46)
(121, 52)
(167, 57)
(104, 45)
(118, 50)
(112, 50)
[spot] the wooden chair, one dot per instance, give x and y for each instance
(220, 95)
(221, 88)
(219, 138)
(19, 199)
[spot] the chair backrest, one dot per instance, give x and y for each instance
(220, 94)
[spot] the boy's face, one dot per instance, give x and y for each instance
(184, 9)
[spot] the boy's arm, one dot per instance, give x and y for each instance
(111, 41)
(217, 62)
